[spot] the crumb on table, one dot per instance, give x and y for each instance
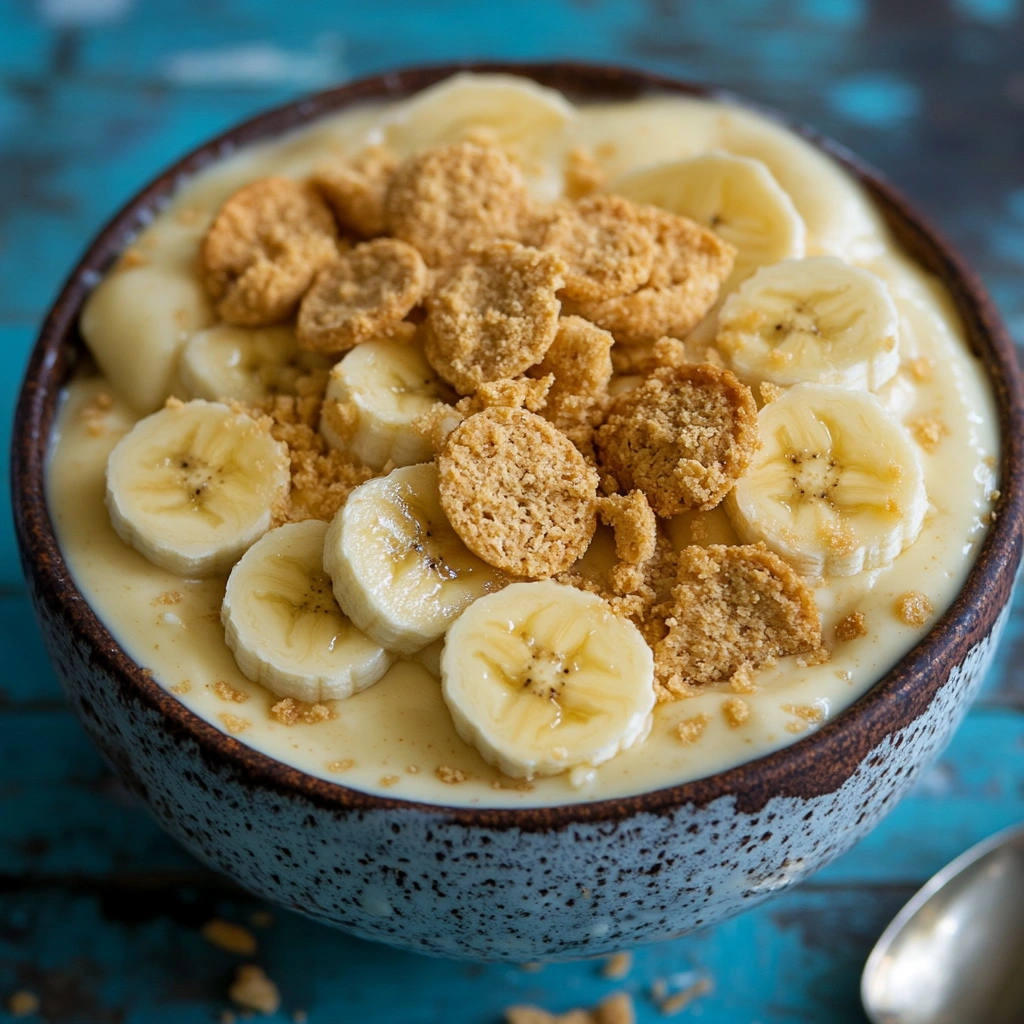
(232, 938)
(253, 990)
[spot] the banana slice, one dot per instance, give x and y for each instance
(192, 486)
(244, 363)
(542, 677)
(284, 627)
(400, 572)
(373, 396)
(734, 196)
(818, 319)
(528, 119)
(836, 487)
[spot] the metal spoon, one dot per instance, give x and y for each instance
(955, 953)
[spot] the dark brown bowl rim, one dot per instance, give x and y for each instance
(814, 766)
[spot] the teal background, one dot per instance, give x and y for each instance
(99, 912)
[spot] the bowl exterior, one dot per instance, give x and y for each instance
(531, 883)
(433, 882)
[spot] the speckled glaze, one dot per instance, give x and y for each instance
(539, 883)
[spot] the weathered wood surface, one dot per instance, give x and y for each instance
(99, 913)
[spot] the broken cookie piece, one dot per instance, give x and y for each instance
(494, 316)
(517, 492)
(606, 245)
(690, 264)
(734, 608)
(264, 248)
(445, 199)
(636, 536)
(683, 437)
(355, 189)
(364, 293)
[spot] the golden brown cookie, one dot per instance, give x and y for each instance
(517, 492)
(494, 315)
(580, 361)
(355, 189)
(445, 199)
(263, 249)
(732, 606)
(690, 264)
(684, 436)
(364, 293)
(605, 243)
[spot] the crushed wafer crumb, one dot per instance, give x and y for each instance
(922, 369)
(180, 689)
(495, 314)
(913, 608)
(607, 248)
(809, 713)
(232, 938)
(263, 249)
(446, 198)
(517, 492)
(253, 990)
(94, 413)
(509, 393)
(450, 776)
(928, 431)
(291, 711)
(818, 656)
(736, 711)
(355, 189)
(678, 1002)
(340, 766)
(583, 174)
(130, 259)
(365, 293)
(389, 780)
(850, 627)
(770, 392)
(616, 1009)
(742, 680)
(690, 264)
(233, 723)
(733, 607)
(636, 529)
(683, 437)
(690, 730)
(580, 362)
(168, 597)
(22, 1003)
(617, 966)
(226, 691)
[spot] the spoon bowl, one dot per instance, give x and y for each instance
(955, 953)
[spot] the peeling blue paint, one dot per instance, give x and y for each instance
(875, 98)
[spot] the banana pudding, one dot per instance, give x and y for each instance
(484, 449)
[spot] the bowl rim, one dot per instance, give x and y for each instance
(814, 766)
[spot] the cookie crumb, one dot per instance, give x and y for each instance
(290, 712)
(167, 597)
(742, 680)
(232, 938)
(851, 627)
(180, 689)
(617, 966)
(253, 990)
(22, 1003)
(913, 608)
(922, 369)
(690, 730)
(94, 413)
(736, 711)
(340, 766)
(583, 174)
(389, 780)
(680, 1000)
(770, 392)
(226, 691)
(450, 776)
(928, 431)
(615, 1009)
(809, 713)
(412, 769)
(234, 724)
(817, 656)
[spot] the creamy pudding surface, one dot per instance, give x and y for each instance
(878, 371)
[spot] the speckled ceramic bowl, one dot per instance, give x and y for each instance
(534, 884)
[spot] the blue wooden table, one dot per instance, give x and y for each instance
(99, 912)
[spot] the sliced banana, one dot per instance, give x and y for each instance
(836, 488)
(818, 320)
(400, 572)
(735, 196)
(374, 395)
(528, 119)
(284, 627)
(542, 677)
(244, 363)
(193, 485)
